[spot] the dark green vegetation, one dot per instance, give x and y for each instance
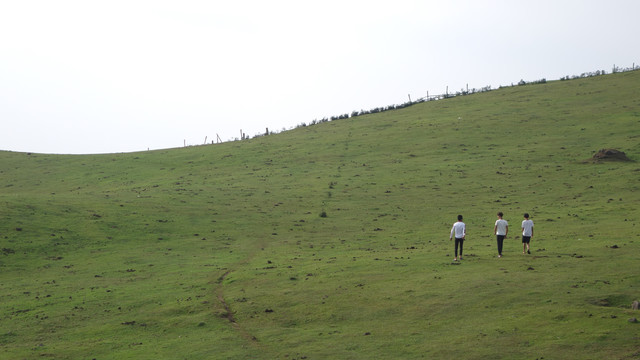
(332, 241)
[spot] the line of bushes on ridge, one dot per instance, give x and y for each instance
(448, 95)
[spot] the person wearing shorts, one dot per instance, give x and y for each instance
(500, 230)
(459, 230)
(527, 234)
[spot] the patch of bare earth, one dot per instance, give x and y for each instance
(609, 154)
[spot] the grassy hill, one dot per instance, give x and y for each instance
(332, 241)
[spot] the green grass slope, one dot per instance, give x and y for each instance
(332, 241)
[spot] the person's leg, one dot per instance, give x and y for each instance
(461, 243)
(500, 239)
(456, 246)
(524, 245)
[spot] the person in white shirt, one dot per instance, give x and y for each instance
(500, 230)
(459, 229)
(527, 233)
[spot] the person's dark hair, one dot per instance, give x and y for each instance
(459, 217)
(526, 215)
(500, 214)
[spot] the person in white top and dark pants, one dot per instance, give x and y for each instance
(459, 229)
(500, 230)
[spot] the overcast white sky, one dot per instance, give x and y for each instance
(80, 77)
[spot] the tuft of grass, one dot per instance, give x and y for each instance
(218, 251)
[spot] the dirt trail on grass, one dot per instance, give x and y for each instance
(225, 311)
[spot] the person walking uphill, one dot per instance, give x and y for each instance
(459, 229)
(527, 233)
(500, 230)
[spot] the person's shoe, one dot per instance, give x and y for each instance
(499, 255)
(528, 252)
(455, 259)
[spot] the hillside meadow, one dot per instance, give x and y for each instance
(331, 241)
